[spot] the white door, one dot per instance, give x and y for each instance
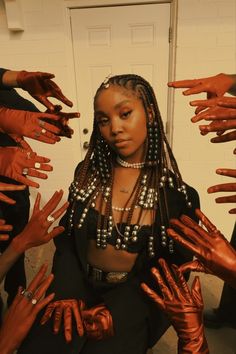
(117, 40)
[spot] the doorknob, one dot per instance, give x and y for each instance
(86, 145)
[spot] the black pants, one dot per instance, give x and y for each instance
(227, 306)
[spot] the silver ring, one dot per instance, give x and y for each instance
(25, 171)
(27, 294)
(50, 218)
(34, 301)
(43, 131)
(37, 165)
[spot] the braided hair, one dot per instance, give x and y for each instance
(160, 172)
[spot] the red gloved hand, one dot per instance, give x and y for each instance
(63, 120)
(4, 228)
(29, 124)
(9, 187)
(98, 322)
(210, 247)
(15, 162)
(65, 308)
(225, 187)
(40, 86)
(23, 311)
(36, 231)
(214, 85)
(183, 306)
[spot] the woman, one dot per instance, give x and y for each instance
(122, 197)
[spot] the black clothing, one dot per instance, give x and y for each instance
(16, 215)
(138, 323)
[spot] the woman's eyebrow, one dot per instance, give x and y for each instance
(121, 103)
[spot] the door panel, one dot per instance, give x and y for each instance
(118, 40)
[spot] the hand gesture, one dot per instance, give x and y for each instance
(183, 306)
(216, 85)
(214, 253)
(23, 311)
(30, 124)
(225, 187)
(62, 122)
(36, 231)
(16, 163)
(65, 308)
(98, 322)
(9, 187)
(40, 86)
(4, 228)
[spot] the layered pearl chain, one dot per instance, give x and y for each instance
(129, 165)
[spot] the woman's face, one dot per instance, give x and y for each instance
(122, 121)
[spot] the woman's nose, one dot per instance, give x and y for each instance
(116, 126)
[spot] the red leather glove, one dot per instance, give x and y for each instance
(9, 187)
(214, 85)
(29, 124)
(211, 248)
(65, 308)
(40, 86)
(183, 306)
(4, 228)
(225, 187)
(36, 231)
(14, 162)
(23, 311)
(63, 120)
(98, 322)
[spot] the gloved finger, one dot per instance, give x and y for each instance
(200, 116)
(53, 202)
(184, 83)
(218, 125)
(57, 319)
(57, 93)
(40, 159)
(227, 102)
(11, 187)
(4, 237)
(205, 103)
(156, 298)
(228, 199)
(38, 166)
(164, 289)
(4, 198)
(35, 173)
(47, 314)
(169, 278)
(68, 324)
(182, 284)
(46, 137)
(226, 172)
(224, 187)
(36, 206)
(232, 211)
(189, 228)
(196, 292)
(26, 181)
(223, 138)
(45, 75)
(193, 266)
(6, 227)
(78, 319)
(68, 116)
(199, 109)
(48, 126)
(205, 221)
(219, 113)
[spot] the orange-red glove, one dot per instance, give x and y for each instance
(23, 311)
(29, 124)
(98, 322)
(4, 228)
(215, 254)
(16, 162)
(40, 86)
(36, 231)
(225, 187)
(183, 306)
(9, 187)
(63, 120)
(65, 308)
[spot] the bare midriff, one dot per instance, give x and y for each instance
(110, 259)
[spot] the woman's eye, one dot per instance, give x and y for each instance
(103, 121)
(126, 114)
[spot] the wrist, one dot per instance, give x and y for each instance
(9, 78)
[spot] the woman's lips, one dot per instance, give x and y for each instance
(120, 143)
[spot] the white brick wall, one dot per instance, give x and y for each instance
(205, 46)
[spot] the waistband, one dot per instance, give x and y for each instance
(109, 277)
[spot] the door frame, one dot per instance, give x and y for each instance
(79, 4)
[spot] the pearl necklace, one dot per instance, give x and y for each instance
(129, 165)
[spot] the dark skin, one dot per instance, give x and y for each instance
(122, 122)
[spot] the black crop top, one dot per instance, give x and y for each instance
(133, 247)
